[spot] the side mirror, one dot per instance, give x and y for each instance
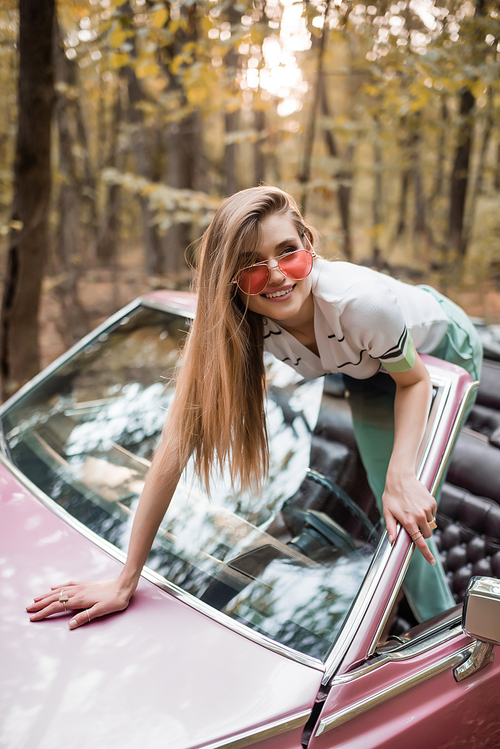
(481, 612)
(481, 620)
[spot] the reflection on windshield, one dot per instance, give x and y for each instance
(287, 561)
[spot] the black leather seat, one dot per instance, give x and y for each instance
(475, 466)
(468, 537)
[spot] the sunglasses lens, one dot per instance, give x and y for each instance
(297, 265)
(253, 280)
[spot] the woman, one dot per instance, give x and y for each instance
(261, 286)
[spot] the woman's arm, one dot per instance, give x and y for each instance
(405, 499)
(108, 596)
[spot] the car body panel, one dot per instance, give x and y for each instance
(414, 702)
(153, 664)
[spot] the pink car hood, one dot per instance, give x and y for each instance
(159, 675)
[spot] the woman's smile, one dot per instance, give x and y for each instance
(279, 294)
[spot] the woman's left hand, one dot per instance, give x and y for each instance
(407, 501)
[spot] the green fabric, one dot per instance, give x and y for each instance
(404, 364)
(372, 406)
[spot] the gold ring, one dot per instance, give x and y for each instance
(64, 604)
(63, 598)
(88, 615)
(433, 524)
(416, 536)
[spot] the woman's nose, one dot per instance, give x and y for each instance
(276, 275)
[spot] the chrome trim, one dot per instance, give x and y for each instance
(363, 599)
(378, 698)
(171, 307)
(482, 656)
(453, 437)
(260, 734)
(480, 614)
(160, 581)
(444, 386)
(391, 601)
(420, 645)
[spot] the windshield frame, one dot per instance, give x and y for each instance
(375, 569)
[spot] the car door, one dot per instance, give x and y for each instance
(407, 694)
(410, 692)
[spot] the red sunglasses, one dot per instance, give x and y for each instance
(296, 265)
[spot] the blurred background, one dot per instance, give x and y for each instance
(124, 125)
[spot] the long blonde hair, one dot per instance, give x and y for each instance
(218, 410)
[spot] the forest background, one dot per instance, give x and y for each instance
(124, 125)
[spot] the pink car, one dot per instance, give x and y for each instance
(274, 620)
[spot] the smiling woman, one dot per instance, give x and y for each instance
(261, 287)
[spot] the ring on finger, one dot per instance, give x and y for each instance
(88, 615)
(415, 536)
(63, 598)
(432, 523)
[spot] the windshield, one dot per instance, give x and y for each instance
(287, 561)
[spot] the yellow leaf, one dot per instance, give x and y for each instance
(197, 95)
(117, 37)
(118, 60)
(179, 24)
(160, 17)
(150, 69)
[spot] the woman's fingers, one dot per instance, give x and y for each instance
(392, 526)
(83, 617)
(60, 599)
(419, 541)
(54, 594)
(417, 533)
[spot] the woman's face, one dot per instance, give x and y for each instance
(283, 299)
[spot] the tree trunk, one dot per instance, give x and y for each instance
(183, 149)
(258, 152)
(477, 187)
(440, 161)
(73, 323)
(497, 170)
(460, 176)
(183, 143)
(403, 202)
(304, 175)
(421, 227)
(109, 232)
(230, 153)
(231, 118)
(20, 353)
(343, 176)
(146, 148)
(377, 258)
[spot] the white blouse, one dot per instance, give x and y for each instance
(363, 320)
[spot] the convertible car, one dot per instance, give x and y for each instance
(276, 620)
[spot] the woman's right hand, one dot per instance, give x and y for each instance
(95, 598)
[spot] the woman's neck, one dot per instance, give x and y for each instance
(302, 326)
